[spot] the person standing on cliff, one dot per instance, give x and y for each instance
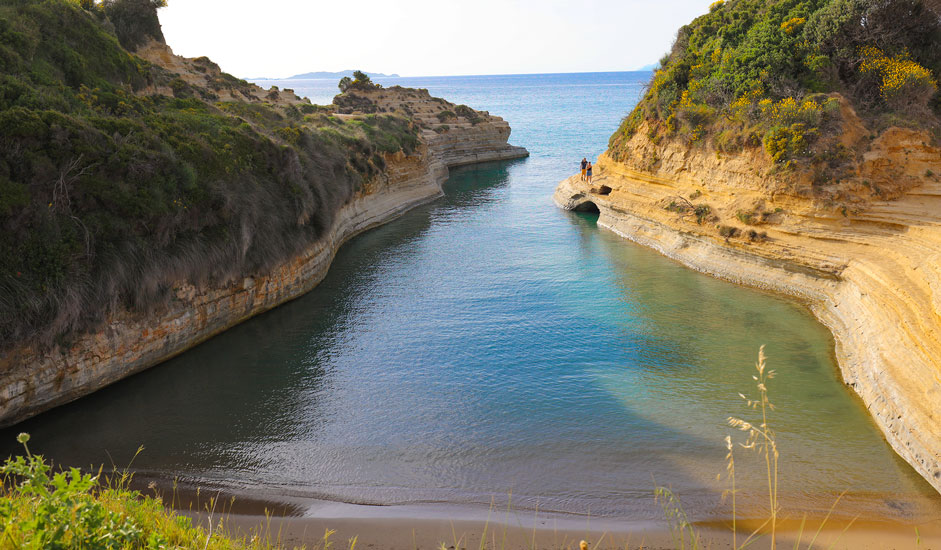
(584, 166)
(588, 172)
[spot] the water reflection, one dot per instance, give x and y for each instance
(489, 342)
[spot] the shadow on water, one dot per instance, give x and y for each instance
(201, 402)
(312, 399)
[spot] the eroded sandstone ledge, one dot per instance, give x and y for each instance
(33, 380)
(872, 275)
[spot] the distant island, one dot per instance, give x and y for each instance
(328, 74)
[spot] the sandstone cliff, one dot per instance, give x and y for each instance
(34, 380)
(870, 272)
(35, 377)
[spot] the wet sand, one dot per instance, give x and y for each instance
(296, 522)
(436, 533)
(302, 522)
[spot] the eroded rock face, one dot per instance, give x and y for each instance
(870, 272)
(34, 380)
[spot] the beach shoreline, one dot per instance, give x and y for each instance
(518, 530)
(296, 521)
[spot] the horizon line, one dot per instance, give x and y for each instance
(461, 75)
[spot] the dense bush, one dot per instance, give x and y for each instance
(469, 114)
(748, 64)
(110, 198)
(360, 81)
(135, 21)
(902, 83)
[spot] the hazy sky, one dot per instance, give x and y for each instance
(280, 38)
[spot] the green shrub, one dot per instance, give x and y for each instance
(362, 78)
(469, 114)
(44, 508)
(696, 114)
(903, 84)
(727, 231)
(135, 21)
(679, 208)
(781, 53)
(787, 142)
(701, 211)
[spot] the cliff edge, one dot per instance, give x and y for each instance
(151, 201)
(848, 219)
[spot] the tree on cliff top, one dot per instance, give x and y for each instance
(135, 21)
(361, 78)
(359, 81)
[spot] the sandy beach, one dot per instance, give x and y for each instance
(301, 522)
(380, 529)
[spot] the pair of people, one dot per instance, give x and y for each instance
(586, 170)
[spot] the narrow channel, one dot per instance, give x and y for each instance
(489, 343)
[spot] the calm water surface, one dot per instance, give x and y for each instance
(489, 342)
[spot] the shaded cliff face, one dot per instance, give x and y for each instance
(123, 173)
(143, 214)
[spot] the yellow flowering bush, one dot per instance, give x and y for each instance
(686, 98)
(716, 5)
(793, 24)
(784, 110)
(659, 78)
(789, 110)
(902, 82)
(786, 142)
(747, 105)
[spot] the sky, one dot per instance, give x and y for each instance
(281, 38)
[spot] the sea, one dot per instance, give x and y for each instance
(489, 349)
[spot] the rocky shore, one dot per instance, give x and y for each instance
(871, 274)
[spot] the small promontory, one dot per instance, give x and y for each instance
(150, 201)
(796, 146)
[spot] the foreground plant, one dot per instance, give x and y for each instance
(44, 510)
(760, 438)
(41, 508)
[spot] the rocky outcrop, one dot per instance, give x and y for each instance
(871, 272)
(34, 380)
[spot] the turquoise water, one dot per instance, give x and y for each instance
(489, 343)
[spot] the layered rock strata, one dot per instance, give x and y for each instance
(870, 273)
(34, 380)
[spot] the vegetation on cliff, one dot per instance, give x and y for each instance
(754, 73)
(120, 179)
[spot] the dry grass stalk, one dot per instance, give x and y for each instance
(761, 438)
